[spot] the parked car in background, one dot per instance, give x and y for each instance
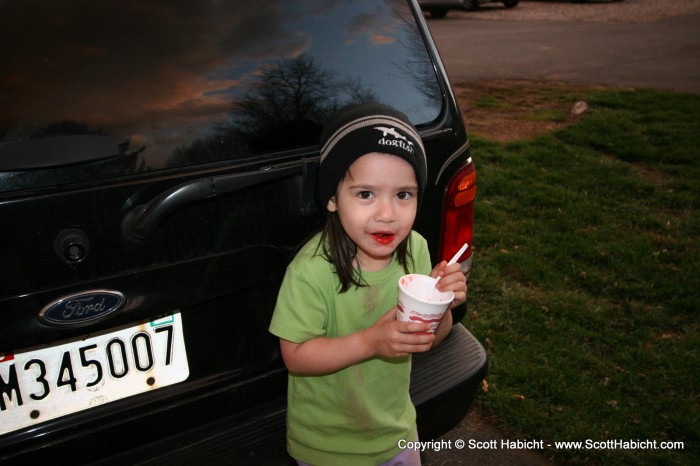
(158, 164)
(439, 8)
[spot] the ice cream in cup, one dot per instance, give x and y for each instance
(421, 302)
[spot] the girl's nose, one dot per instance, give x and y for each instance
(385, 211)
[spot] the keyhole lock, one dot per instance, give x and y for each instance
(72, 246)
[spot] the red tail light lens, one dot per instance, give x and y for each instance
(458, 212)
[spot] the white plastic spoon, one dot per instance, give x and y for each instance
(452, 261)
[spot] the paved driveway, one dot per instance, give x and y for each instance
(661, 54)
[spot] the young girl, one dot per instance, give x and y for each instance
(349, 359)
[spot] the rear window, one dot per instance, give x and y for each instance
(92, 90)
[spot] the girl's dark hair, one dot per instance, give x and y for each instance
(338, 249)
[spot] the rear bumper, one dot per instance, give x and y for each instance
(444, 382)
(258, 438)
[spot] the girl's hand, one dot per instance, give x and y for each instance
(452, 279)
(391, 338)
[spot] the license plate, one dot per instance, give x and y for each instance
(46, 382)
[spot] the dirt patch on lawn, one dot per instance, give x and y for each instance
(511, 110)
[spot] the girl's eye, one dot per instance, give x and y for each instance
(365, 194)
(404, 195)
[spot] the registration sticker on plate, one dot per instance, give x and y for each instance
(46, 382)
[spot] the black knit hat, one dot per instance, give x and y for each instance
(357, 130)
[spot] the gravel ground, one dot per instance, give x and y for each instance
(612, 11)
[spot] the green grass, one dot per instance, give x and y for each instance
(553, 115)
(586, 284)
(490, 101)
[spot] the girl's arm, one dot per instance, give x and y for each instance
(388, 338)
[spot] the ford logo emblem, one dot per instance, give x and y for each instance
(82, 308)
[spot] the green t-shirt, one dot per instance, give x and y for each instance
(356, 415)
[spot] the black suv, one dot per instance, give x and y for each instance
(158, 163)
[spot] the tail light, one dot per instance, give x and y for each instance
(458, 213)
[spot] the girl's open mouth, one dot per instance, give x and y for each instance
(383, 238)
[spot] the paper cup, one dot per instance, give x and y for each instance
(421, 302)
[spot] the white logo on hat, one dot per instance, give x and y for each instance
(408, 145)
(391, 131)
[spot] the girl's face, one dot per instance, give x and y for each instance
(376, 202)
